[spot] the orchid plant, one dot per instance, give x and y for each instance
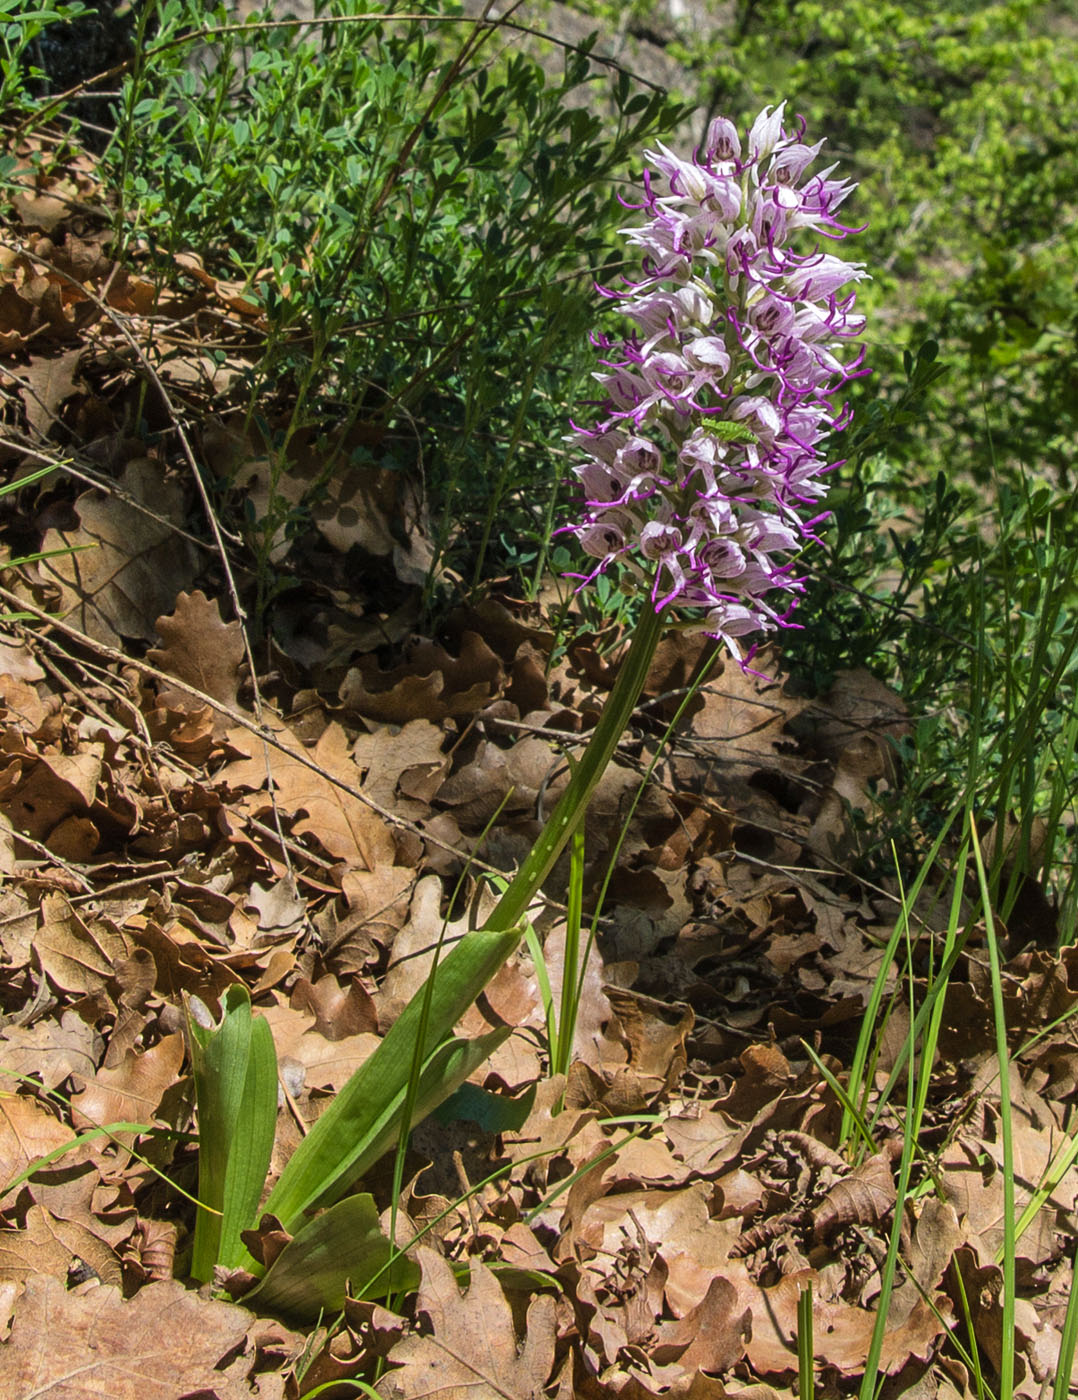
(704, 474)
(707, 455)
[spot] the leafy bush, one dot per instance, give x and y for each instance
(420, 218)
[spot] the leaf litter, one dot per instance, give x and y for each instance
(171, 825)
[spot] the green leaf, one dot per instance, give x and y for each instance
(351, 1133)
(235, 1072)
(443, 1073)
(494, 1113)
(339, 1251)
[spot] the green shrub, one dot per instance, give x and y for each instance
(420, 216)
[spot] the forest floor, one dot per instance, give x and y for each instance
(186, 804)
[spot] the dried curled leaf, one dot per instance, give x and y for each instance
(471, 1351)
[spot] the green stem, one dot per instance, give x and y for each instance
(573, 803)
(572, 975)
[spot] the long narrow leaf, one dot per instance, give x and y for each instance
(252, 1145)
(444, 1072)
(235, 1074)
(334, 1151)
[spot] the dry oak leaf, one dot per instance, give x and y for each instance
(550, 1132)
(865, 1197)
(426, 937)
(471, 1352)
(51, 1049)
(973, 1184)
(842, 1333)
(45, 383)
(340, 1008)
(18, 661)
(327, 1064)
(234, 295)
(430, 685)
(857, 704)
(163, 1343)
(201, 649)
(343, 825)
(710, 1338)
(49, 1245)
(56, 787)
(132, 1091)
(27, 1132)
(408, 760)
(78, 954)
(135, 564)
(742, 722)
(673, 1223)
(654, 1032)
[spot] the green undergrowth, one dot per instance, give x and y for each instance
(420, 210)
(965, 601)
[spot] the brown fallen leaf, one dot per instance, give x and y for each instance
(326, 1063)
(380, 510)
(132, 566)
(27, 1132)
(709, 1338)
(654, 1032)
(234, 295)
(55, 787)
(46, 382)
(425, 936)
(132, 1091)
(742, 722)
(201, 649)
(340, 1009)
(163, 1343)
(405, 761)
(865, 1197)
(17, 661)
(471, 1351)
(49, 1245)
(431, 685)
(342, 824)
(52, 1050)
(842, 1332)
(974, 1187)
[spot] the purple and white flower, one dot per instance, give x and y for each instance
(706, 457)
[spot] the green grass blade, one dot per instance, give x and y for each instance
(109, 1130)
(1006, 1375)
(916, 1093)
(860, 1076)
(1065, 1365)
(806, 1375)
(561, 1052)
(546, 995)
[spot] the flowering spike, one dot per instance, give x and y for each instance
(715, 407)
